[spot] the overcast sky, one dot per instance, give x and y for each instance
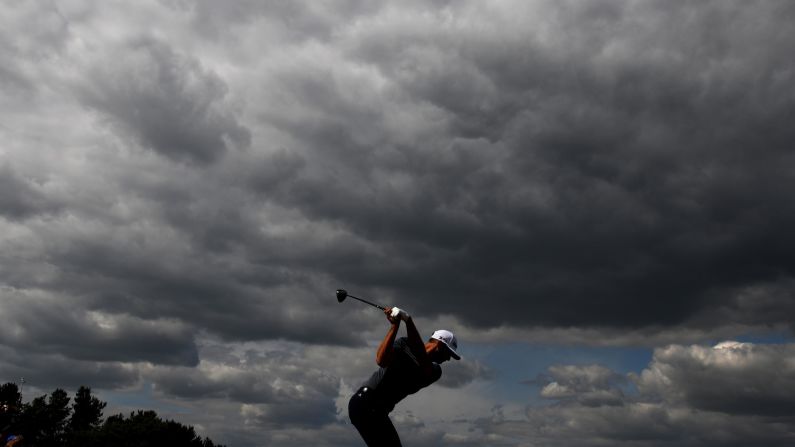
(595, 196)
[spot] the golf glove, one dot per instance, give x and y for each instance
(399, 313)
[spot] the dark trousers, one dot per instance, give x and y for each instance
(373, 423)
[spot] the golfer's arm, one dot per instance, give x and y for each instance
(384, 355)
(416, 344)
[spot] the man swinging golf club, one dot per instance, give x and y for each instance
(406, 365)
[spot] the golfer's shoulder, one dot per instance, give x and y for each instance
(436, 372)
(401, 343)
(402, 351)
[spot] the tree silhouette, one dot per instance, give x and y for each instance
(86, 411)
(49, 421)
(145, 429)
(86, 417)
(44, 420)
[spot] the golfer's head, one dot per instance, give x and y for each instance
(447, 344)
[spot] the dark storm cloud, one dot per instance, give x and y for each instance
(41, 324)
(21, 198)
(48, 371)
(167, 101)
(593, 179)
(619, 174)
(291, 21)
(632, 171)
(175, 281)
(28, 33)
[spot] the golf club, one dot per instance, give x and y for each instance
(342, 294)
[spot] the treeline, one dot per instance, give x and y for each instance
(56, 420)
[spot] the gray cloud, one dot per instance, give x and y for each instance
(44, 372)
(21, 198)
(591, 386)
(29, 33)
(644, 424)
(464, 372)
(590, 195)
(731, 378)
(729, 394)
(267, 378)
(48, 325)
(274, 387)
(288, 22)
(617, 174)
(168, 102)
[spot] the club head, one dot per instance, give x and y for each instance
(341, 295)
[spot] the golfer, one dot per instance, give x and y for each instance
(406, 366)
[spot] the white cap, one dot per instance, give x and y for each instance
(449, 340)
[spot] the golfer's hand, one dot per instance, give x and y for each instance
(400, 314)
(388, 313)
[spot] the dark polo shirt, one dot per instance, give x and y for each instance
(388, 386)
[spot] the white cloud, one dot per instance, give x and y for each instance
(728, 394)
(731, 377)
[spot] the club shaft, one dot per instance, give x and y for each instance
(367, 302)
